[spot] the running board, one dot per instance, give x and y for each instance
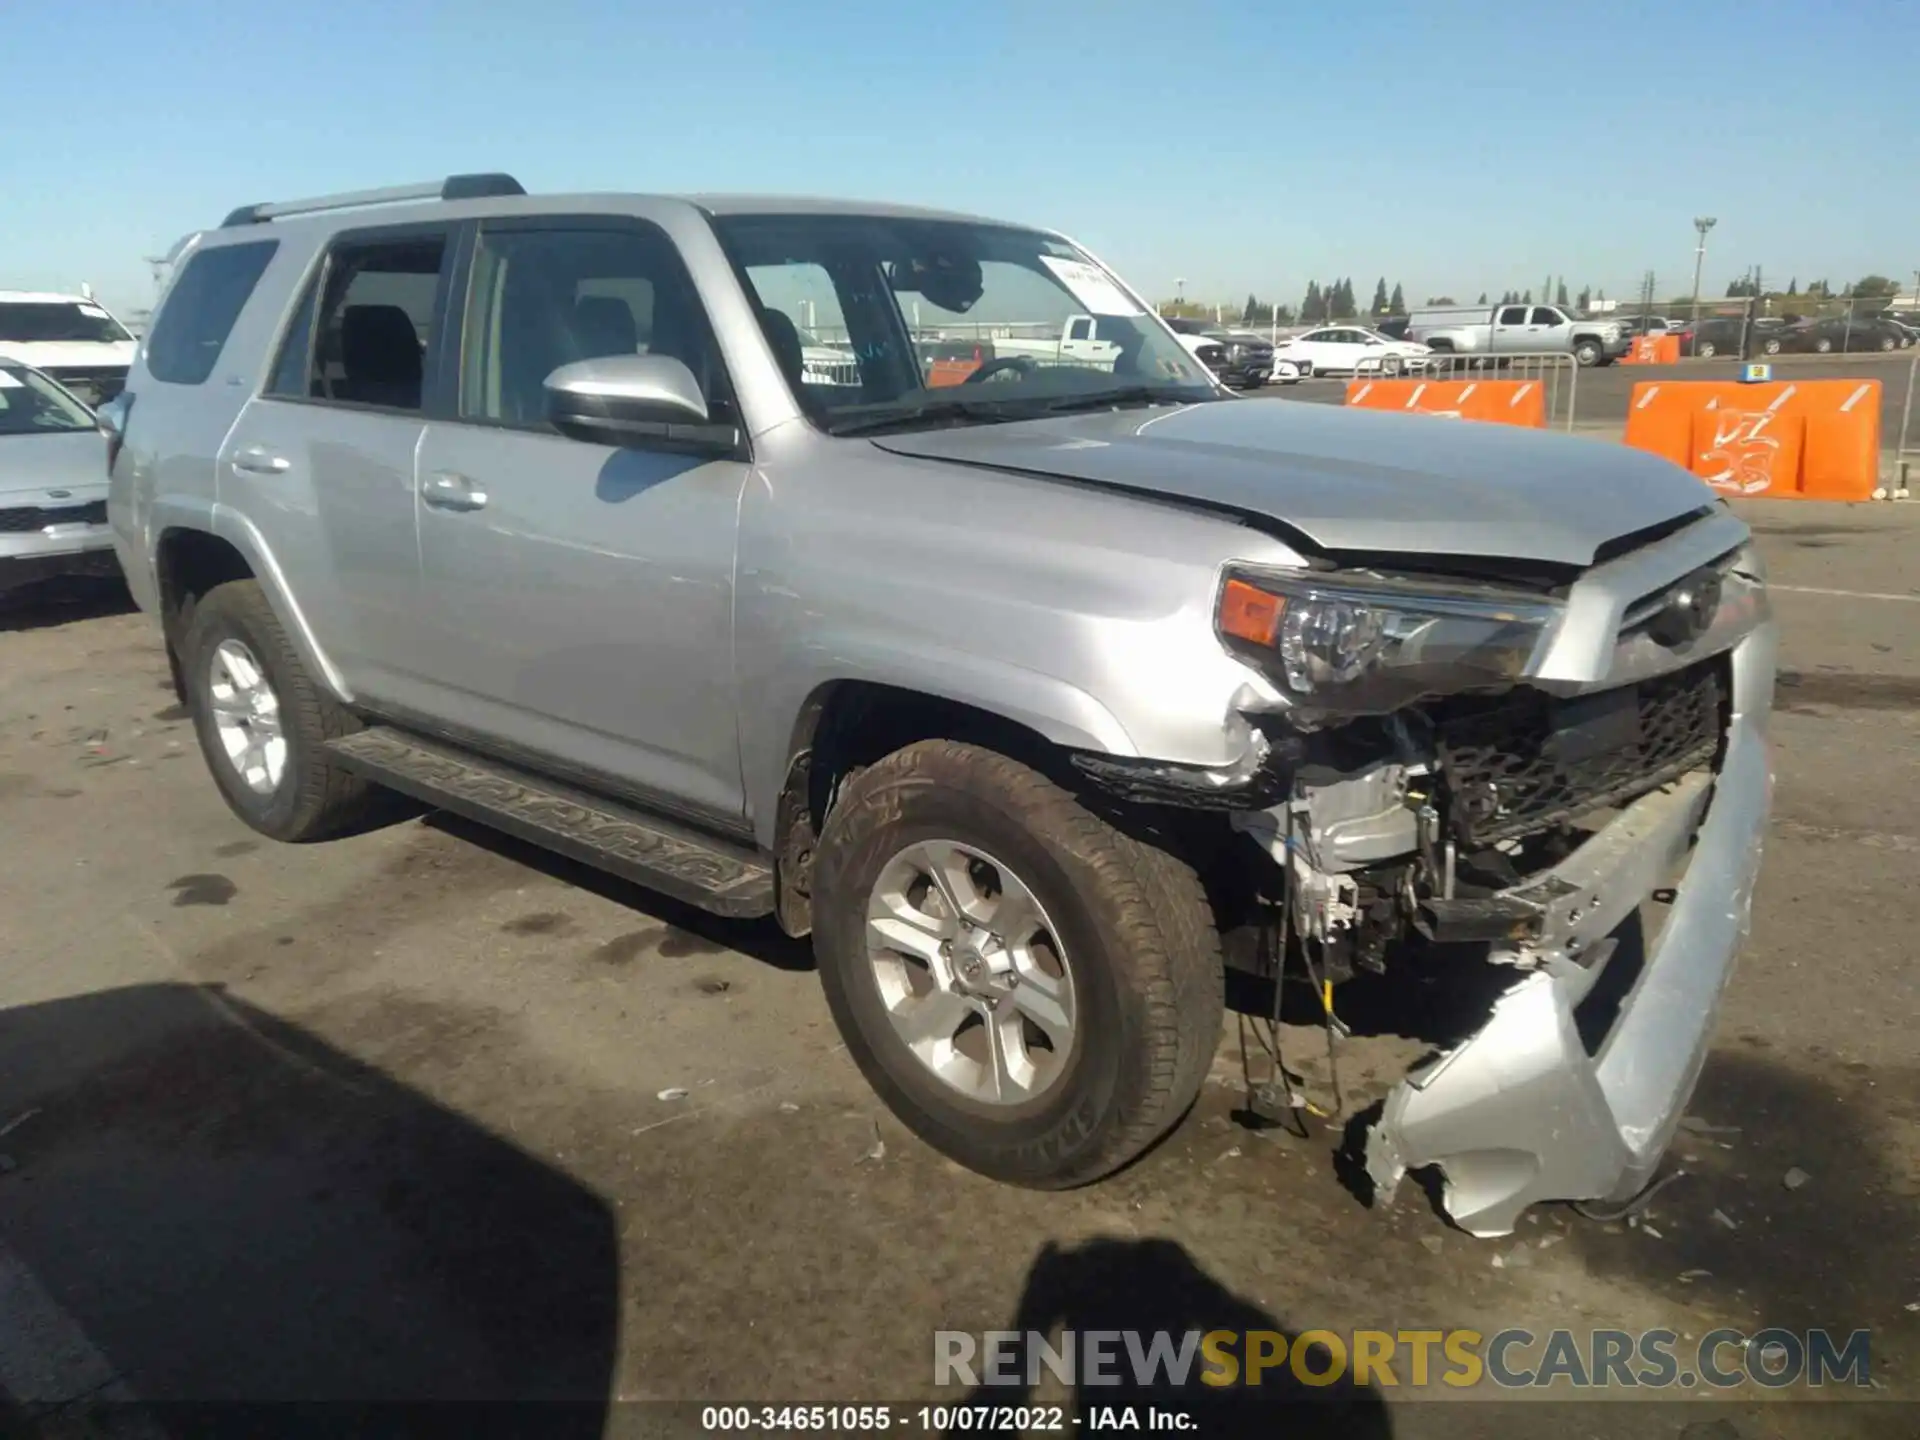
(725, 879)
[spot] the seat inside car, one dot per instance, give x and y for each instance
(603, 325)
(380, 357)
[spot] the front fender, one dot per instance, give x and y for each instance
(1052, 708)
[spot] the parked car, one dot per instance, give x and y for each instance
(72, 338)
(1036, 700)
(53, 482)
(1240, 359)
(1646, 325)
(1348, 349)
(1720, 336)
(1838, 333)
(1518, 329)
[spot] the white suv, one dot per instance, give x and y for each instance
(70, 337)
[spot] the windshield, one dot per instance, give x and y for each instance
(40, 321)
(31, 404)
(889, 322)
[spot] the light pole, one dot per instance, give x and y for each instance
(1702, 223)
(1179, 293)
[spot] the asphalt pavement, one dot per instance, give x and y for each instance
(424, 1114)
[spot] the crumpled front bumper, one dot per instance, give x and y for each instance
(1524, 1110)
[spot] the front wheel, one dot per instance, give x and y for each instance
(1769, 347)
(1587, 353)
(1032, 992)
(1823, 346)
(1706, 349)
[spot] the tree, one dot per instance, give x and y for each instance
(1250, 311)
(1483, 298)
(1586, 298)
(1448, 300)
(1397, 303)
(1282, 315)
(1876, 287)
(1560, 295)
(1313, 309)
(1527, 299)
(1793, 286)
(1380, 296)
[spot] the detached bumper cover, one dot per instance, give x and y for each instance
(1521, 1112)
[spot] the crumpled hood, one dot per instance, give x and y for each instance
(1351, 480)
(32, 466)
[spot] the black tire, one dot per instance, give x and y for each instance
(1887, 342)
(1588, 353)
(315, 799)
(1140, 936)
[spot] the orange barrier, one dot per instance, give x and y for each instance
(1784, 440)
(1495, 402)
(1653, 350)
(950, 372)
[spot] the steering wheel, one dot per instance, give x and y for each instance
(1021, 364)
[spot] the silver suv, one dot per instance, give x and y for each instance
(1040, 689)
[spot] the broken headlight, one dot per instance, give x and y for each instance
(1371, 646)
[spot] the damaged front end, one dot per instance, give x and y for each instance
(1572, 784)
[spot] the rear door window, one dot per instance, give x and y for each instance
(201, 309)
(373, 331)
(1514, 315)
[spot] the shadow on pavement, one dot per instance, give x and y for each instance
(62, 601)
(1148, 1286)
(237, 1216)
(699, 931)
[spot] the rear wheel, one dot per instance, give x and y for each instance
(263, 723)
(1823, 346)
(1705, 349)
(1033, 993)
(1588, 353)
(1769, 347)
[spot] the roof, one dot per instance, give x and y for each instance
(466, 197)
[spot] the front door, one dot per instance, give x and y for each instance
(578, 598)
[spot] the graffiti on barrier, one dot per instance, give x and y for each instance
(1740, 460)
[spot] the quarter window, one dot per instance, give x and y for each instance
(201, 309)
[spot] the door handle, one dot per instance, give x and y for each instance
(446, 490)
(258, 460)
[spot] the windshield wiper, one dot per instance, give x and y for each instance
(1120, 399)
(935, 412)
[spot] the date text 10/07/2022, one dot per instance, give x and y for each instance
(939, 1419)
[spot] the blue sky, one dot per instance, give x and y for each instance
(1454, 145)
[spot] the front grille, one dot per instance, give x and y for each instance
(1524, 762)
(27, 518)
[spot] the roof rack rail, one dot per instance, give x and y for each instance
(454, 187)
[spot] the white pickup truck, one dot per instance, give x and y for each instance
(1519, 330)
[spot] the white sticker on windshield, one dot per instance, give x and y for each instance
(7, 382)
(94, 310)
(1091, 286)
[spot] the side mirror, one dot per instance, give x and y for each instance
(646, 400)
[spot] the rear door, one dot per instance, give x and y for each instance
(578, 597)
(322, 462)
(1510, 328)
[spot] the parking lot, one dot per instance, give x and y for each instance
(423, 1114)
